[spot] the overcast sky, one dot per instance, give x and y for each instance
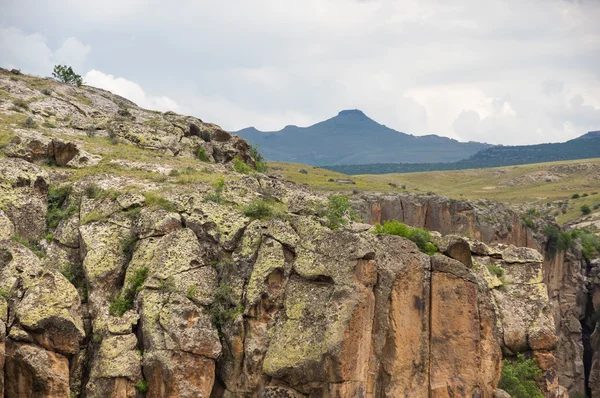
(499, 71)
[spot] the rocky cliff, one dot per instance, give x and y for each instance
(142, 255)
(570, 279)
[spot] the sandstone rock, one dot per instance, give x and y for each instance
(71, 155)
(31, 371)
(23, 192)
(499, 393)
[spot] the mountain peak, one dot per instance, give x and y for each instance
(352, 112)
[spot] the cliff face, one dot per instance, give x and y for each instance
(140, 254)
(565, 274)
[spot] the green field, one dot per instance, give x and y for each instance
(532, 185)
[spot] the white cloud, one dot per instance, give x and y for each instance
(72, 53)
(30, 53)
(129, 90)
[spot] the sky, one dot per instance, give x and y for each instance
(499, 71)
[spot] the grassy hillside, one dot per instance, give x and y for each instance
(533, 184)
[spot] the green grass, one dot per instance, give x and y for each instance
(155, 200)
(495, 270)
(93, 216)
(337, 208)
(419, 236)
(142, 386)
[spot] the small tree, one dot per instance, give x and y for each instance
(585, 209)
(65, 74)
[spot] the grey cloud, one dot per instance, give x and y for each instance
(263, 63)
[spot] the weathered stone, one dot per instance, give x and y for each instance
(31, 371)
(23, 192)
(7, 229)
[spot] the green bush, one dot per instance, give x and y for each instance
(20, 103)
(57, 211)
(495, 270)
(585, 210)
(557, 240)
(4, 294)
(65, 74)
(259, 160)
(142, 386)
(590, 243)
(420, 236)
(123, 302)
(258, 209)
(518, 378)
(225, 307)
(528, 221)
(202, 156)
(337, 208)
(240, 166)
(216, 196)
(575, 196)
(29, 122)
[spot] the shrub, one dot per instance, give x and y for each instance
(216, 196)
(585, 210)
(419, 236)
(46, 91)
(518, 378)
(528, 222)
(575, 196)
(259, 160)
(240, 166)
(258, 209)
(202, 156)
(32, 245)
(142, 386)
(584, 195)
(127, 246)
(590, 243)
(65, 74)
(20, 103)
(29, 122)
(495, 270)
(57, 198)
(225, 307)
(337, 208)
(557, 240)
(4, 294)
(123, 302)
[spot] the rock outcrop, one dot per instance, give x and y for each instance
(199, 277)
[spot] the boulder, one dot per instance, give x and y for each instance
(23, 196)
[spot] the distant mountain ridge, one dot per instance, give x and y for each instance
(352, 137)
(583, 147)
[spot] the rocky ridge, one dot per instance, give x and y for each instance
(144, 270)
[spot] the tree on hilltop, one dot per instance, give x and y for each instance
(65, 74)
